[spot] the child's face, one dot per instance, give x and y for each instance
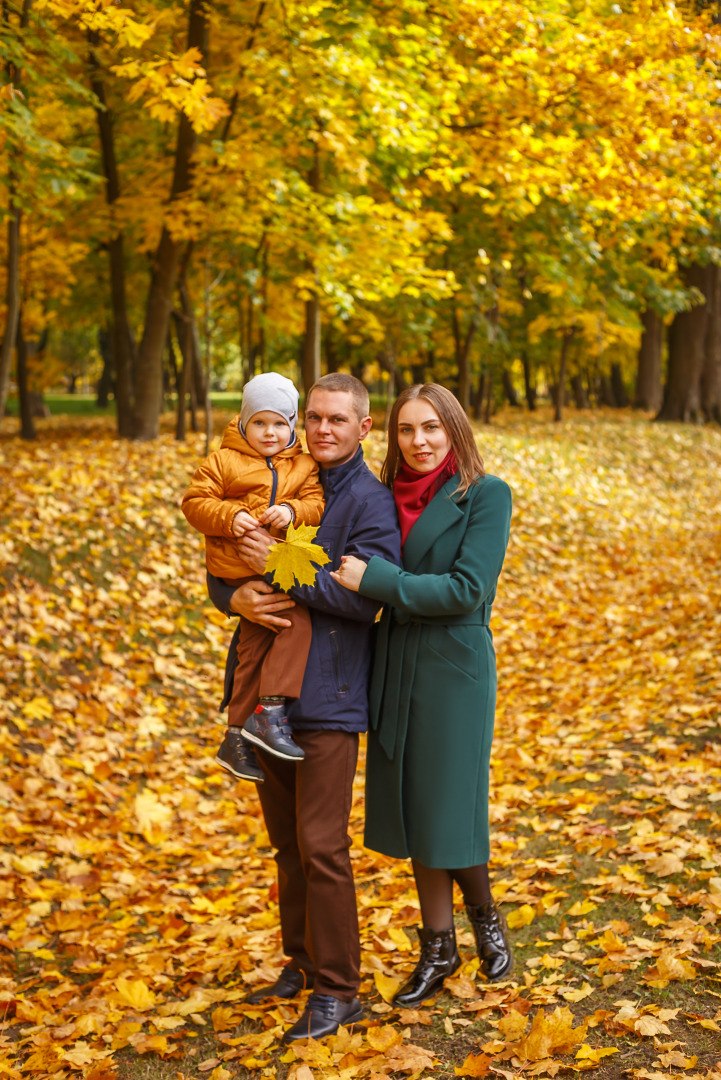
(267, 432)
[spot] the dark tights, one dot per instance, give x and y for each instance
(435, 891)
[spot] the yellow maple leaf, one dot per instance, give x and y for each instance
(578, 995)
(48, 1059)
(671, 966)
(522, 916)
(382, 1038)
(595, 1053)
(152, 816)
(386, 985)
(39, 708)
(293, 560)
(136, 993)
(474, 1065)
(554, 1034)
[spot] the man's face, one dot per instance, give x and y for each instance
(332, 427)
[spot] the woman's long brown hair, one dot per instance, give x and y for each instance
(456, 425)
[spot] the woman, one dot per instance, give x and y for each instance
(433, 689)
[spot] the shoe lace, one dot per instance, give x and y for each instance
(322, 1003)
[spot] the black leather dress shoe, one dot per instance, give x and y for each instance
(439, 958)
(491, 933)
(287, 985)
(323, 1015)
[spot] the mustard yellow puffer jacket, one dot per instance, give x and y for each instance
(236, 477)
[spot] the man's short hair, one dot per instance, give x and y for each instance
(348, 384)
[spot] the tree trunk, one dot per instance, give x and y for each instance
(561, 386)
(605, 392)
(648, 376)
(619, 388)
(579, 392)
(463, 354)
(311, 336)
(207, 289)
(27, 424)
(121, 337)
(711, 372)
(489, 397)
(686, 347)
(149, 366)
(105, 382)
(480, 395)
(12, 295)
(529, 387)
(311, 344)
(509, 389)
(12, 288)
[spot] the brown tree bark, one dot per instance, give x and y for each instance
(311, 336)
(12, 289)
(509, 389)
(647, 394)
(711, 371)
(311, 344)
(619, 387)
(686, 349)
(561, 384)
(12, 299)
(580, 396)
(463, 344)
(122, 344)
(27, 424)
(529, 386)
(149, 363)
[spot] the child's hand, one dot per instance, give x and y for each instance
(243, 523)
(278, 516)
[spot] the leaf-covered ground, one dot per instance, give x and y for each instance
(135, 876)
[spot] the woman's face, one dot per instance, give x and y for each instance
(422, 439)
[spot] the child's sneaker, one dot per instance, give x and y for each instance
(236, 756)
(268, 727)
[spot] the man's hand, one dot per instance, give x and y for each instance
(256, 601)
(253, 549)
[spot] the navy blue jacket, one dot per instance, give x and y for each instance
(359, 519)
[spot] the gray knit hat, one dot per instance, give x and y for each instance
(271, 392)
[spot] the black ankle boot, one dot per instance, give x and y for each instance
(491, 932)
(439, 959)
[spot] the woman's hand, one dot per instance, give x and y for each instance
(350, 572)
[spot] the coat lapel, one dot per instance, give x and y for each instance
(442, 512)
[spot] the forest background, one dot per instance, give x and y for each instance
(513, 199)
(520, 201)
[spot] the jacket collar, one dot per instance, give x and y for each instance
(442, 512)
(337, 475)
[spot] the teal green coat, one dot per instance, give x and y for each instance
(433, 686)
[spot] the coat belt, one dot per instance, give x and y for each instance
(481, 617)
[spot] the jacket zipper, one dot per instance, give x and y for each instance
(274, 488)
(342, 687)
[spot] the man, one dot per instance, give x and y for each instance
(306, 806)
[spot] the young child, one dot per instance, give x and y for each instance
(259, 476)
